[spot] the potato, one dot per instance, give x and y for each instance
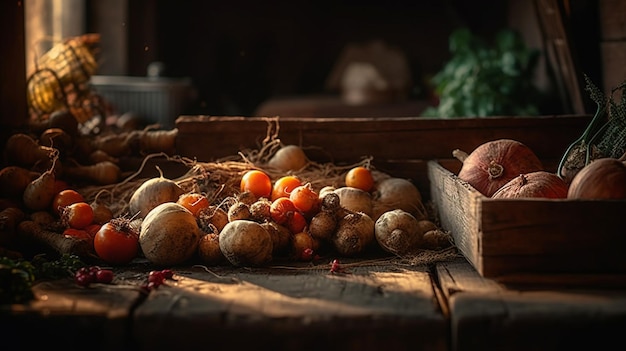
(169, 234)
(246, 243)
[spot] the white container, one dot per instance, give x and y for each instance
(156, 99)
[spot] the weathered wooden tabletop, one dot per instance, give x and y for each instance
(372, 305)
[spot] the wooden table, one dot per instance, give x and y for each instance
(382, 304)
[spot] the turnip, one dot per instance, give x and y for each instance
(354, 235)
(289, 158)
(209, 251)
(152, 193)
(246, 243)
(322, 226)
(280, 234)
(169, 234)
(397, 193)
(355, 199)
(398, 232)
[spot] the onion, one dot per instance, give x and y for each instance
(397, 193)
(152, 193)
(603, 178)
(289, 158)
(540, 184)
(495, 163)
(169, 234)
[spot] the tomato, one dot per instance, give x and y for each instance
(116, 242)
(360, 177)
(194, 202)
(92, 229)
(305, 198)
(281, 210)
(257, 182)
(296, 222)
(78, 234)
(284, 185)
(65, 198)
(78, 215)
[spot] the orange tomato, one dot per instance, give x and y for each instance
(284, 186)
(78, 215)
(360, 177)
(282, 209)
(257, 182)
(194, 202)
(65, 198)
(305, 198)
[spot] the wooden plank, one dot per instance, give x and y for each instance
(65, 315)
(347, 140)
(284, 308)
(489, 316)
(558, 50)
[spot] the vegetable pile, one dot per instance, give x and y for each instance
(261, 206)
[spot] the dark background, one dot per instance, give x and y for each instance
(241, 53)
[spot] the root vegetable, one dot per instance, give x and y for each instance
(152, 193)
(169, 235)
(303, 246)
(355, 200)
(56, 138)
(32, 232)
(397, 193)
(494, 163)
(14, 179)
(602, 178)
(355, 234)
(260, 210)
(245, 242)
(398, 232)
(436, 239)
(209, 251)
(426, 225)
(22, 150)
(539, 184)
(281, 236)
(212, 219)
(322, 226)
(239, 210)
(10, 217)
(115, 145)
(102, 173)
(101, 212)
(289, 158)
(151, 141)
(39, 193)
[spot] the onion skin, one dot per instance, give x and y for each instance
(540, 184)
(603, 178)
(169, 234)
(495, 163)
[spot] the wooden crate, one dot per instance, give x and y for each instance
(400, 145)
(528, 240)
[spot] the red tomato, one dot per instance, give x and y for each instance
(305, 198)
(65, 198)
(92, 229)
(360, 177)
(77, 233)
(296, 222)
(78, 215)
(116, 242)
(257, 182)
(194, 202)
(281, 209)
(284, 186)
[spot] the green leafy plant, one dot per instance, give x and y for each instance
(486, 80)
